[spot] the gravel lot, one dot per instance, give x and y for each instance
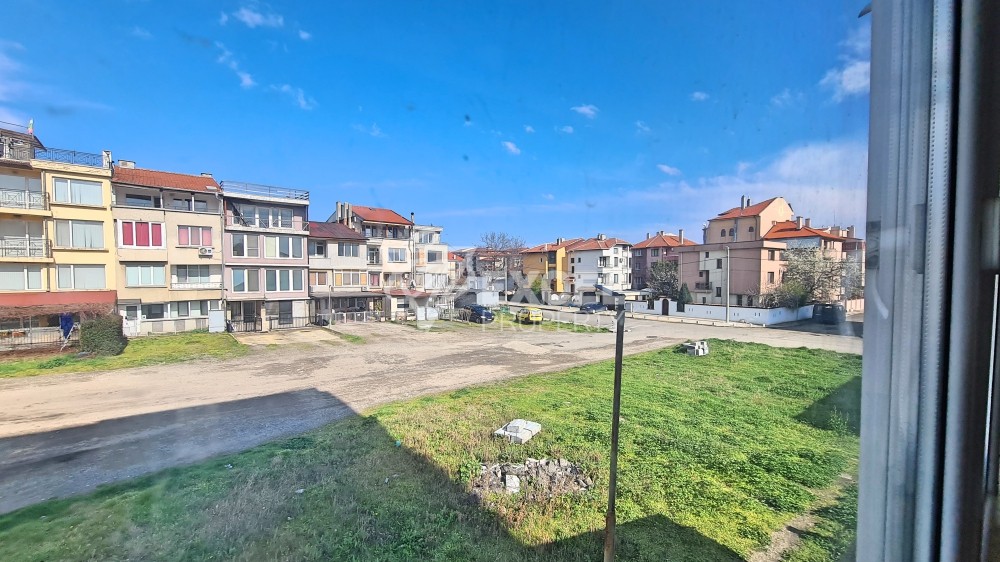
(65, 434)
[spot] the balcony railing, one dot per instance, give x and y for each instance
(374, 262)
(184, 286)
(70, 157)
(703, 286)
(267, 222)
(25, 248)
(18, 153)
(21, 199)
(240, 188)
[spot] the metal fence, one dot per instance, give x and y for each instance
(353, 317)
(24, 338)
(70, 157)
(25, 248)
(245, 325)
(23, 199)
(288, 322)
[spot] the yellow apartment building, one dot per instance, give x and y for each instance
(549, 262)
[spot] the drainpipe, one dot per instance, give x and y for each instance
(728, 271)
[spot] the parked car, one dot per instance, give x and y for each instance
(830, 313)
(592, 307)
(529, 316)
(477, 313)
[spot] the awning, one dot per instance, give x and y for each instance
(22, 305)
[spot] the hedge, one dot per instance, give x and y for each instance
(103, 335)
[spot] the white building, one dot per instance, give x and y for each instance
(599, 261)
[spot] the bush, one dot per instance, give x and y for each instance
(103, 335)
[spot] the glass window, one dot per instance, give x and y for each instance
(297, 280)
(253, 280)
(200, 206)
(144, 275)
(270, 246)
(397, 255)
(284, 283)
(153, 311)
(80, 234)
(80, 277)
(253, 250)
(271, 280)
(239, 280)
(348, 249)
(283, 247)
(239, 245)
(433, 257)
(134, 200)
(81, 192)
(15, 277)
(138, 234)
(317, 248)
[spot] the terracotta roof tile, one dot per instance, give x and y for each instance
(333, 230)
(751, 211)
(376, 214)
(663, 241)
(596, 244)
(552, 246)
(790, 229)
(167, 180)
(452, 256)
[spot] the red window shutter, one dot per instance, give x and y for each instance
(157, 234)
(182, 235)
(142, 234)
(128, 238)
(206, 236)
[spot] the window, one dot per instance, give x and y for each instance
(616, 278)
(427, 238)
(80, 277)
(602, 261)
(200, 206)
(348, 250)
(80, 234)
(703, 300)
(283, 280)
(78, 192)
(246, 246)
(770, 277)
(739, 300)
(572, 269)
(718, 291)
(770, 255)
(133, 200)
(718, 263)
(144, 276)
(373, 279)
(317, 248)
(706, 254)
(750, 230)
(137, 234)
(616, 262)
(723, 233)
(732, 232)
(397, 255)
(636, 253)
(434, 257)
(246, 280)
(16, 277)
(192, 274)
(20, 183)
(615, 250)
(600, 278)
(655, 252)
(181, 204)
(195, 236)
(317, 278)
(373, 256)
(153, 311)
(347, 278)
(282, 247)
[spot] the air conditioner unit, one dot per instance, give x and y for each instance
(365, 288)
(204, 251)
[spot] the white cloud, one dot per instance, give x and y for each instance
(786, 98)
(548, 196)
(641, 127)
(566, 129)
(304, 35)
(529, 129)
(851, 77)
(511, 147)
(223, 18)
(699, 96)
(300, 98)
(589, 111)
(374, 130)
(253, 18)
(826, 181)
(246, 80)
(669, 170)
(227, 59)
(742, 167)
(140, 33)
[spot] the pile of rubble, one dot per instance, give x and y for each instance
(539, 479)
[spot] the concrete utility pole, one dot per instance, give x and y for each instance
(610, 521)
(727, 283)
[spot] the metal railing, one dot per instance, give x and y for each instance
(31, 337)
(703, 286)
(185, 286)
(374, 262)
(245, 325)
(253, 189)
(288, 322)
(10, 152)
(267, 222)
(21, 199)
(25, 248)
(70, 157)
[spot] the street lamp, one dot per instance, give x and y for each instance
(609, 520)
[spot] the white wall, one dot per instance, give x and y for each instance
(760, 316)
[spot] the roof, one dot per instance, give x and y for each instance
(598, 244)
(750, 211)
(452, 256)
(333, 230)
(30, 139)
(168, 180)
(790, 229)
(552, 246)
(376, 214)
(663, 241)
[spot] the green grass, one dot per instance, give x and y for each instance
(508, 321)
(150, 350)
(716, 453)
(350, 338)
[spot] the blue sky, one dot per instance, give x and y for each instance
(541, 119)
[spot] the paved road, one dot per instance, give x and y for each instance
(65, 434)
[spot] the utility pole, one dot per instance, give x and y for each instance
(610, 519)
(728, 270)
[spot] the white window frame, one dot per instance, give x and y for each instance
(152, 267)
(397, 251)
(25, 285)
(72, 277)
(190, 228)
(72, 243)
(348, 249)
(119, 226)
(246, 279)
(69, 191)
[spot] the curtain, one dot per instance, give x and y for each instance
(11, 277)
(183, 235)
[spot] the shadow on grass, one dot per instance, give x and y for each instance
(839, 411)
(345, 491)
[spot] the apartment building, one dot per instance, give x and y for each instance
(430, 266)
(549, 262)
(168, 240)
(338, 270)
(661, 247)
(599, 262)
(56, 230)
(456, 269)
(265, 261)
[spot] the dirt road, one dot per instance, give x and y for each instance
(65, 434)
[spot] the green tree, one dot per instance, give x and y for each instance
(663, 281)
(685, 294)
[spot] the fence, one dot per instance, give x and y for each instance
(288, 322)
(351, 317)
(34, 337)
(245, 325)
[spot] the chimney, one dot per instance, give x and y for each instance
(206, 174)
(798, 222)
(660, 233)
(743, 202)
(850, 232)
(647, 236)
(602, 236)
(680, 235)
(559, 240)
(748, 200)
(411, 216)
(126, 164)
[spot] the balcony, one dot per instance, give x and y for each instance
(375, 261)
(268, 223)
(194, 286)
(21, 199)
(266, 192)
(22, 152)
(707, 286)
(25, 248)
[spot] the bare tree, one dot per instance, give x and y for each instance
(504, 250)
(815, 275)
(663, 281)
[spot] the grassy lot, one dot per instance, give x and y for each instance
(149, 350)
(716, 453)
(507, 321)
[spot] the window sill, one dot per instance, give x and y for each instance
(63, 248)
(80, 205)
(145, 286)
(142, 247)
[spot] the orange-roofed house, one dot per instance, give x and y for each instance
(600, 261)
(549, 262)
(660, 247)
(168, 239)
